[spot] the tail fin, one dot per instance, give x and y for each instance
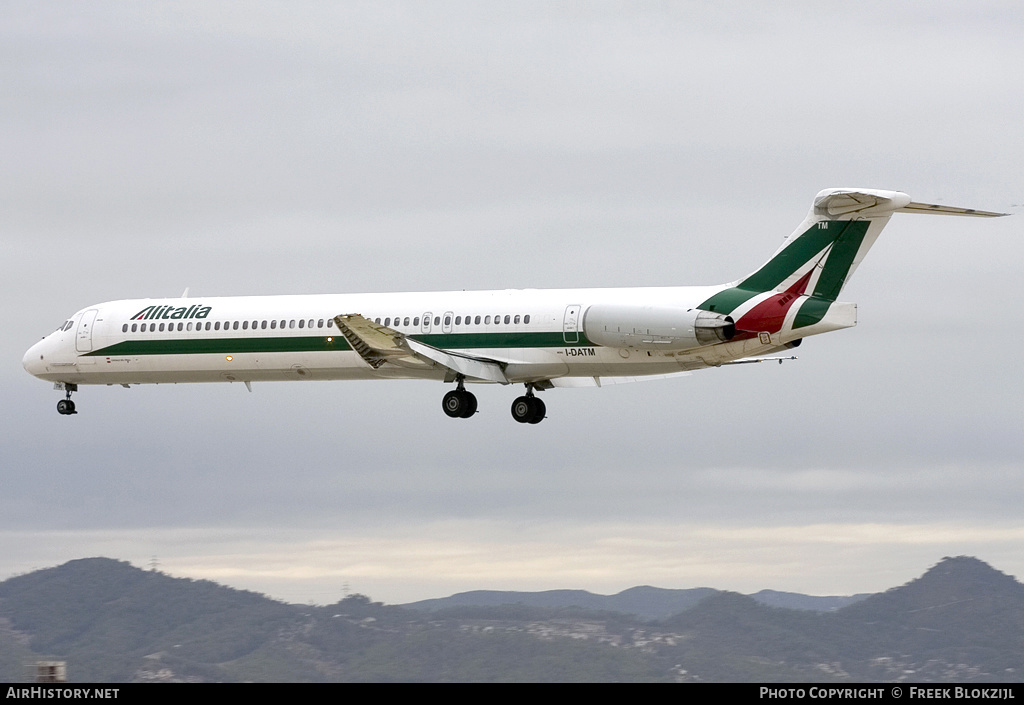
(812, 266)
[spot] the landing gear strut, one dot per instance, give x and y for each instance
(458, 403)
(528, 409)
(66, 407)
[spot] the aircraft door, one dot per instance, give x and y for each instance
(83, 337)
(425, 326)
(571, 324)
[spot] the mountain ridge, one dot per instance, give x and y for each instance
(112, 622)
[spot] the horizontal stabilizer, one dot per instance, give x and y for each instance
(947, 210)
(837, 203)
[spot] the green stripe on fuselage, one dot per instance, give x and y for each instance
(235, 346)
(728, 300)
(201, 346)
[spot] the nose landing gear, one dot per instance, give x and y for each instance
(66, 407)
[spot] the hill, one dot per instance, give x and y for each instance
(644, 602)
(962, 620)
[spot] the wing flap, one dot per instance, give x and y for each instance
(466, 365)
(379, 345)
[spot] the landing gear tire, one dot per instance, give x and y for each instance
(459, 404)
(66, 407)
(539, 410)
(470, 404)
(528, 410)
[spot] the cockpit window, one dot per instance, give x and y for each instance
(66, 326)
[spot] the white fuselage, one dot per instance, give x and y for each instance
(538, 333)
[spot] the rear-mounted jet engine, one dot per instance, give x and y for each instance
(655, 327)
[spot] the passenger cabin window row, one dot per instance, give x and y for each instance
(459, 320)
(227, 325)
(186, 326)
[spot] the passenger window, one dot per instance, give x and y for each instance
(189, 326)
(526, 318)
(487, 320)
(320, 323)
(447, 320)
(387, 321)
(406, 321)
(437, 320)
(134, 327)
(516, 320)
(477, 320)
(330, 323)
(458, 320)
(234, 326)
(216, 325)
(180, 326)
(416, 321)
(245, 325)
(161, 327)
(302, 323)
(310, 324)
(376, 320)
(124, 328)
(273, 324)
(291, 323)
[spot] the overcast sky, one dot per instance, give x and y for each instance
(266, 148)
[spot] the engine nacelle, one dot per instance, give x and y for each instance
(655, 327)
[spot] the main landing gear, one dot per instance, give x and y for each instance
(458, 403)
(528, 409)
(66, 407)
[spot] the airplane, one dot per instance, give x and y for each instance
(541, 338)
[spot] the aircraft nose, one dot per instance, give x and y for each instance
(34, 360)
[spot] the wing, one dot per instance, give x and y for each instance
(379, 345)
